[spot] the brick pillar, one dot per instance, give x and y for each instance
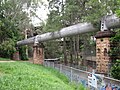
(103, 44)
(16, 56)
(38, 54)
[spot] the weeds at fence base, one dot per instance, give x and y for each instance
(78, 86)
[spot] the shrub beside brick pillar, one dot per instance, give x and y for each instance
(103, 44)
(38, 54)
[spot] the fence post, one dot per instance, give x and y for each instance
(45, 64)
(60, 68)
(71, 73)
(53, 64)
(86, 68)
(48, 64)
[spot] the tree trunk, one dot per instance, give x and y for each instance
(64, 50)
(26, 51)
(77, 47)
(71, 51)
(74, 49)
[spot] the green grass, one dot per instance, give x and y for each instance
(4, 59)
(27, 76)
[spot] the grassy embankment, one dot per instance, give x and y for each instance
(27, 76)
(4, 59)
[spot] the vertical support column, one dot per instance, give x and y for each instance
(103, 44)
(71, 74)
(16, 55)
(38, 54)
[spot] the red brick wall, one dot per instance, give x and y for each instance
(38, 55)
(102, 57)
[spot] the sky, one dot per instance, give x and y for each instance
(41, 13)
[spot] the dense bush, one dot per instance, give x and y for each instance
(52, 49)
(115, 70)
(22, 51)
(7, 48)
(115, 47)
(115, 55)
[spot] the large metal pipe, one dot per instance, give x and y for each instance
(111, 22)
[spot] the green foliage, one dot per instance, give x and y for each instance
(26, 76)
(4, 59)
(115, 49)
(116, 38)
(81, 87)
(53, 49)
(7, 48)
(64, 13)
(13, 21)
(53, 22)
(96, 9)
(114, 53)
(117, 11)
(78, 86)
(22, 52)
(115, 70)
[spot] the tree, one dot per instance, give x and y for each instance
(115, 56)
(54, 22)
(117, 11)
(69, 12)
(14, 19)
(114, 52)
(115, 69)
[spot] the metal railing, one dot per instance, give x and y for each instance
(81, 76)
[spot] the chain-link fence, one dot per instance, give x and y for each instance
(81, 76)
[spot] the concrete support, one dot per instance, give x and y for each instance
(38, 54)
(103, 44)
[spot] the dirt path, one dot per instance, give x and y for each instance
(6, 61)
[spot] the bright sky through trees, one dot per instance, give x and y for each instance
(41, 12)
